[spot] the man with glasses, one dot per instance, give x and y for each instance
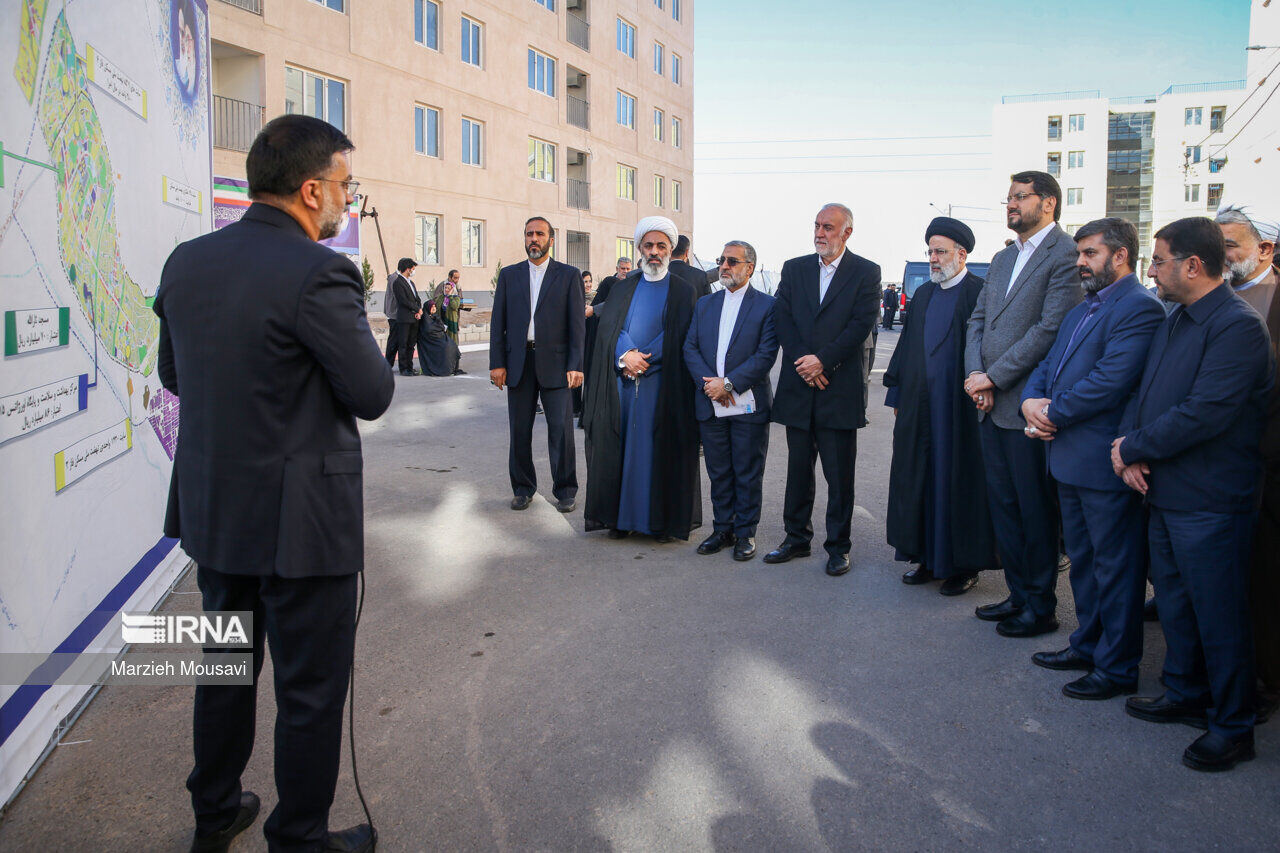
(1031, 285)
(264, 338)
(730, 349)
(1189, 444)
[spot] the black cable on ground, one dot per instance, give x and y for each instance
(351, 719)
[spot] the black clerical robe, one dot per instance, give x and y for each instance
(972, 540)
(676, 488)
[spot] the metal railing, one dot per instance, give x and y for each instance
(1196, 88)
(578, 31)
(578, 194)
(1051, 96)
(254, 6)
(577, 112)
(235, 123)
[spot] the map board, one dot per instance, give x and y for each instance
(105, 166)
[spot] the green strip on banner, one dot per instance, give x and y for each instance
(64, 326)
(151, 301)
(59, 472)
(10, 333)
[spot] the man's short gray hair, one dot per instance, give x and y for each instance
(622, 260)
(1235, 216)
(848, 214)
(748, 251)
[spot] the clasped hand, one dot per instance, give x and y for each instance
(1036, 413)
(635, 363)
(981, 390)
(810, 370)
(1134, 474)
(713, 387)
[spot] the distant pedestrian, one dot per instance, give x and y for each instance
(408, 313)
(890, 305)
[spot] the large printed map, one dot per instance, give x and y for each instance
(104, 167)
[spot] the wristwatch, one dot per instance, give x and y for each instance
(728, 385)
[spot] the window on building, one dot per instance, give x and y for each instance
(624, 247)
(1216, 164)
(626, 182)
(426, 130)
(315, 95)
(549, 5)
(1214, 196)
(335, 5)
(1053, 163)
(472, 142)
(659, 58)
(626, 110)
(426, 238)
(542, 161)
(675, 9)
(1131, 161)
(471, 41)
(1130, 125)
(675, 132)
(1055, 127)
(1193, 116)
(1075, 159)
(1075, 123)
(675, 68)
(1075, 196)
(1191, 192)
(627, 38)
(659, 124)
(676, 199)
(426, 23)
(1128, 201)
(658, 3)
(659, 191)
(1193, 153)
(542, 73)
(1217, 118)
(472, 242)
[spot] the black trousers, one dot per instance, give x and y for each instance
(408, 333)
(838, 449)
(734, 451)
(310, 624)
(393, 342)
(522, 401)
(889, 315)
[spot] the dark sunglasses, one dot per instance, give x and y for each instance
(733, 262)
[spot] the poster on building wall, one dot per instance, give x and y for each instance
(105, 166)
(231, 200)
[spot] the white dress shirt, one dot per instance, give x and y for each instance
(1026, 250)
(826, 272)
(954, 280)
(536, 274)
(728, 318)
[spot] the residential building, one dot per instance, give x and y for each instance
(469, 116)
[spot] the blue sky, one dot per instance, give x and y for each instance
(886, 79)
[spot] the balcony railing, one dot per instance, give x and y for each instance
(578, 194)
(235, 123)
(579, 31)
(254, 6)
(578, 112)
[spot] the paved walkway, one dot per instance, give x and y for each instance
(524, 686)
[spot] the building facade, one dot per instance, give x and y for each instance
(469, 116)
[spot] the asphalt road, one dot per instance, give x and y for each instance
(522, 685)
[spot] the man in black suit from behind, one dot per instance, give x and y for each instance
(826, 307)
(682, 269)
(267, 493)
(536, 343)
(408, 313)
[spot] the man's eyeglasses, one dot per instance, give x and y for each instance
(349, 187)
(1018, 197)
(733, 262)
(1156, 262)
(940, 253)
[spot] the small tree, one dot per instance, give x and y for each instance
(366, 270)
(493, 282)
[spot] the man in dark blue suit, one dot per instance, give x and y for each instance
(729, 351)
(535, 350)
(1073, 402)
(1190, 442)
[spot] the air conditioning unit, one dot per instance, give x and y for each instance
(576, 5)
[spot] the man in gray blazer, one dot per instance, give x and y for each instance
(389, 309)
(1031, 285)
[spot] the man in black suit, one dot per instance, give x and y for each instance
(408, 313)
(266, 494)
(536, 343)
(685, 271)
(827, 304)
(389, 311)
(890, 305)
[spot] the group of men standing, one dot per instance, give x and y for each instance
(1130, 424)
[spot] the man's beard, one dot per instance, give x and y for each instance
(657, 269)
(330, 225)
(1099, 280)
(945, 272)
(1027, 223)
(1240, 272)
(535, 252)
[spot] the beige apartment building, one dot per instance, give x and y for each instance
(469, 116)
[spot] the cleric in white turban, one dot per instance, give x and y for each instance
(1250, 235)
(638, 415)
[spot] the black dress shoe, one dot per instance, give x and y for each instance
(918, 575)
(411, 373)
(357, 839)
(716, 541)
(744, 549)
(662, 539)
(1150, 613)
(1265, 705)
(958, 585)
(1097, 686)
(1213, 752)
(837, 564)
(1068, 658)
(1162, 709)
(1027, 624)
(220, 841)
(459, 372)
(785, 552)
(566, 505)
(997, 612)
(521, 502)
(615, 533)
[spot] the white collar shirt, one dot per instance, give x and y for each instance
(536, 273)
(1255, 281)
(954, 280)
(410, 281)
(826, 273)
(728, 319)
(1026, 248)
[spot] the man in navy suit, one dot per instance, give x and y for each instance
(827, 305)
(1190, 443)
(729, 351)
(535, 351)
(1073, 402)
